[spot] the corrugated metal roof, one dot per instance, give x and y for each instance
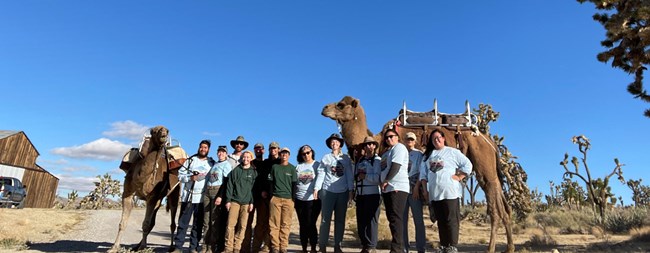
(7, 133)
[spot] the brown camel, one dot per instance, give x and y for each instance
(150, 178)
(478, 147)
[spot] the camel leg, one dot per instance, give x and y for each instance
(127, 205)
(494, 223)
(507, 222)
(148, 222)
(172, 202)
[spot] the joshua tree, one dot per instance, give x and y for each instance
(640, 193)
(626, 22)
(510, 171)
(599, 191)
(99, 196)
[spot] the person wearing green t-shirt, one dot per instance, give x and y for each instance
(283, 179)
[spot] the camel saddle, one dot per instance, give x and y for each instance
(464, 120)
(176, 155)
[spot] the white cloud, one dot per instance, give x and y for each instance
(100, 149)
(211, 133)
(126, 129)
(81, 168)
(80, 184)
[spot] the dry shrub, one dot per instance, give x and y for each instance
(640, 234)
(621, 221)
(568, 221)
(478, 215)
(541, 238)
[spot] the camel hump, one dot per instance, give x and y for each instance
(408, 117)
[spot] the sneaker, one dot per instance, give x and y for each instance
(440, 249)
(451, 249)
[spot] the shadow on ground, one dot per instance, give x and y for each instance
(85, 246)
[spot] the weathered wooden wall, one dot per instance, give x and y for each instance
(17, 150)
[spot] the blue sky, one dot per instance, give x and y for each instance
(85, 79)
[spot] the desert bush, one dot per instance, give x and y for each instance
(476, 215)
(13, 244)
(567, 221)
(540, 238)
(621, 221)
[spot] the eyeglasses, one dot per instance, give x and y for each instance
(370, 144)
(390, 136)
(307, 153)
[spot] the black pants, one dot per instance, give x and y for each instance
(367, 219)
(395, 202)
(448, 217)
(308, 212)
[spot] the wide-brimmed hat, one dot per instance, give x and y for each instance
(334, 136)
(369, 139)
(240, 139)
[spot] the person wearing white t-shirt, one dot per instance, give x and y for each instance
(395, 187)
(307, 207)
(443, 168)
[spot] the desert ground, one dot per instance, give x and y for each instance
(56, 230)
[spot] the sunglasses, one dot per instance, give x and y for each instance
(390, 136)
(307, 153)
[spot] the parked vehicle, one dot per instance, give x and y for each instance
(12, 192)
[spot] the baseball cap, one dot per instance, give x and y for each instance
(411, 135)
(274, 145)
(285, 149)
(224, 148)
(258, 145)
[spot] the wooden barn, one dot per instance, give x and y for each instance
(18, 159)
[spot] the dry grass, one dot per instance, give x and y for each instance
(18, 227)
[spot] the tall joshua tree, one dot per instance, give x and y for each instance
(627, 39)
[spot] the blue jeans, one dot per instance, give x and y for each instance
(187, 211)
(418, 219)
(332, 202)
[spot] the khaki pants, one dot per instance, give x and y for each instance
(210, 215)
(238, 216)
(281, 212)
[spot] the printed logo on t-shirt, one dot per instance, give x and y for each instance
(436, 164)
(306, 176)
(213, 176)
(337, 170)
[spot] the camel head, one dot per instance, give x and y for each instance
(159, 135)
(349, 114)
(344, 110)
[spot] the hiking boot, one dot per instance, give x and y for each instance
(337, 249)
(323, 249)
(451, 249)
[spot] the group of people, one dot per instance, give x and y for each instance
(223, 196)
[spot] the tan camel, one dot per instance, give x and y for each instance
(480, 149)
(151, 179)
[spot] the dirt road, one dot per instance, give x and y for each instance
(97, 234)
